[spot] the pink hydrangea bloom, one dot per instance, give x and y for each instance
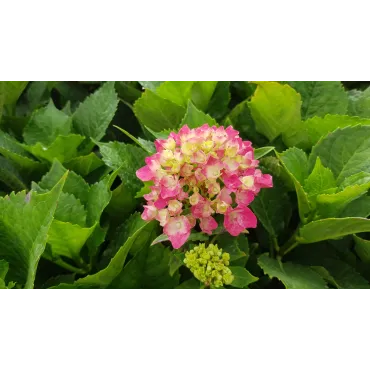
(198, 174)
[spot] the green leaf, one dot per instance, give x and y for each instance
(71, 210)
(202, 93)
(74, 184)
(178, 92)
(241, 119)
(272, 208)
(25, 220)
(233, 245)
(145, 189)
(320, 181)
(128, 91)
(151, 85)
(362, 248)
(318, 127)
(195, 118)
(128, 159)
(148, 146)
(242, 277)
(63, 148)
(4, 268)
(11, 91)
(84, 165)
(360, 178)
(359, 103)
(331, 205)
(12, 149)
(46, 124)
(10, 175)
(345, 151)
(321, 97)
(192, 283)
(275, 109)
(157, 113)
(99, 197)
(176, 261)
(358, 208)
(93, 116)
(219, 103)
(332, 228)
(105, 277)
(149, 268)
(344, 275)
(295, 163)
(67, 239)
(293, 276)
(261, 152)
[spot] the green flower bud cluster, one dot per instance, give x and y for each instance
(209, 265)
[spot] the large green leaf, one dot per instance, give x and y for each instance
(46, 124)
(157, 113)
(320, 181)
(71, 210)
(104, 278)
(202, 93)
(151, 85)
(149, 268)
(242, 277)
(272, 208)
(99, 197)
(25, 220)
(293, 276)
(345, 151)
(218, 105)
(63, 148)
(241, 119)
(235, 246)
(275, 109)
(84, 165)
(12, 149)
(332, 228)
(67, 239)
(295, 163)
(11, 91)
(321, 97)
(318, 127)
(362, 248)
(93, 116)
(178, 92)
(195, 118)
(358, 208)
(10, 175)
(359, 103)
(4, 268)
(128, 159)
(331, 205)
(75, 184)
(342, 275)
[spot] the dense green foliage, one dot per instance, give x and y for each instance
(70, 201)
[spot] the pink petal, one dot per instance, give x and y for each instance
(231, 182)
(244, 197)
(150, 212)
(178, 231)
(208, 224)
(144, 174)
(239, 219)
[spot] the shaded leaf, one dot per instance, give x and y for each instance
(242, 277)
(293, 276)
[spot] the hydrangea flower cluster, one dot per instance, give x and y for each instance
(198, 173)
(209, 265)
